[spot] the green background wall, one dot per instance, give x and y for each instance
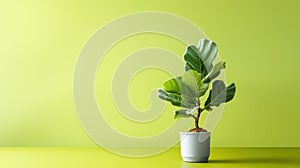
(40, 42)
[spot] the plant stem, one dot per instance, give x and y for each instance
(197, 118)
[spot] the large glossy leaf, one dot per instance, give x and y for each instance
(203, 88)
(189, 86)
(176, 85)
(175, 99)
(173, 85)
(192, 79)
(201, 58)
(230, 92)
(220, 94)
(182, 113)
(191, 56)
(215, 72)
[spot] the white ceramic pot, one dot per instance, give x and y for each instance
(195, 146)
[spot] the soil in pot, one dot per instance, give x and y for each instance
(197, 130)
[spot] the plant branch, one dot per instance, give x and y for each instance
(194, 117)
(208, 108)
(197, 118)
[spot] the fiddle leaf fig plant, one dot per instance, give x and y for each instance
(186, 91)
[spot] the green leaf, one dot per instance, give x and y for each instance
(175, 99)
(192, 80)
(215, 72)
(182, 113)
(184, 91)
(172, 86)
(178, 87)
(191, 56)
(201, 58)
(220, 94)
(203, 88)
(230, 92)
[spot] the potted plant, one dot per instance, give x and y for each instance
(187, 92)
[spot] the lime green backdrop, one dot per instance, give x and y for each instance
(40, 42)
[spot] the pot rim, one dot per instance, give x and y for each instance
(193, 133)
